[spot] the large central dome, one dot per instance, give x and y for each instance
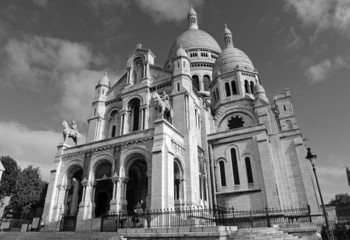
(194, 39)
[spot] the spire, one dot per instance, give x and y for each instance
(227, 37)
(192, 18)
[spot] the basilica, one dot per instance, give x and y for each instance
(197, 131)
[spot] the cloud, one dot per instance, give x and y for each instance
(323, 14)
(36, 63)
(29, 147)
(78, 89)
(168, 10)
(294, 41)
(41, 3)
(322, 70)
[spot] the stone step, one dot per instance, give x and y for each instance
(260, 234)
(59, 236)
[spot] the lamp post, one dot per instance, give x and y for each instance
(312, 159)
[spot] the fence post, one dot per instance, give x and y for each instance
(268, 217)
(62, 223)
(251, 218)
(102, 218)
(309, 212)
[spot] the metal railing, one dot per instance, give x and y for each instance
(201, 216)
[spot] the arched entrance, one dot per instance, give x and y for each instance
(137, 187)
(103, 188)
(74, 191)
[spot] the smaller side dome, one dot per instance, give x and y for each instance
(259, 93)
(104, 80)
(180, 52)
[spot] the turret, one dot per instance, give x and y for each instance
(96, 120)
(182, 70)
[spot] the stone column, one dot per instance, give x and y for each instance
(128, 76)
(83, 206)
(124, 124)
(75, 197)
(124, 182)
(142, 112)
(118, 197)
(113, 202)
(60, 202)
(145, 117)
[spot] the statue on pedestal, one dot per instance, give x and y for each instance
(162, 104)
(70, 131)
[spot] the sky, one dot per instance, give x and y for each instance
(53, 52)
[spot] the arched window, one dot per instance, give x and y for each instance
(252, 87)
(114, 128)
(234, 88)
(206, 82)
(177, 181)
(113, 123)
(217, 94)
(235, 122)
(195, 82)
(227, 89)
(103, 169)
(235, 166)
(137, 73)
(289, 124)
(246, 86)
(249, 170)
(222, 173)
(134, 121)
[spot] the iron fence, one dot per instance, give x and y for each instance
(68, 223)
(339, 229)
(200, 216)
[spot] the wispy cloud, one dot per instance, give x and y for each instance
(323, 14)
(34, 62)
(168, 10)
(41, 3)
(322, 70)
(294, 41)
(29, 147)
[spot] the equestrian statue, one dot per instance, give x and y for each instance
(70, 131)
(162, 104)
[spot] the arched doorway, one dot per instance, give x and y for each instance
(74, 191)
(103, 188)
(178, 182)
(137, 187)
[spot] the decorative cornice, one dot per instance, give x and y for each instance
(107, 147)
(113, 100)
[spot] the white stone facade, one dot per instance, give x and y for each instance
(225, 145)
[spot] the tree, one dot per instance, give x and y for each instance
(9, 176)
(340, 199)
(29, 190)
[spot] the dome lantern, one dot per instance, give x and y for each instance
(192, 19)
(227, 37)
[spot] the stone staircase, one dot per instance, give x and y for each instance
(188, 233)
(261, 234)
(59, 236)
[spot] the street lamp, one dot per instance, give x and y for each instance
(312, 159)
